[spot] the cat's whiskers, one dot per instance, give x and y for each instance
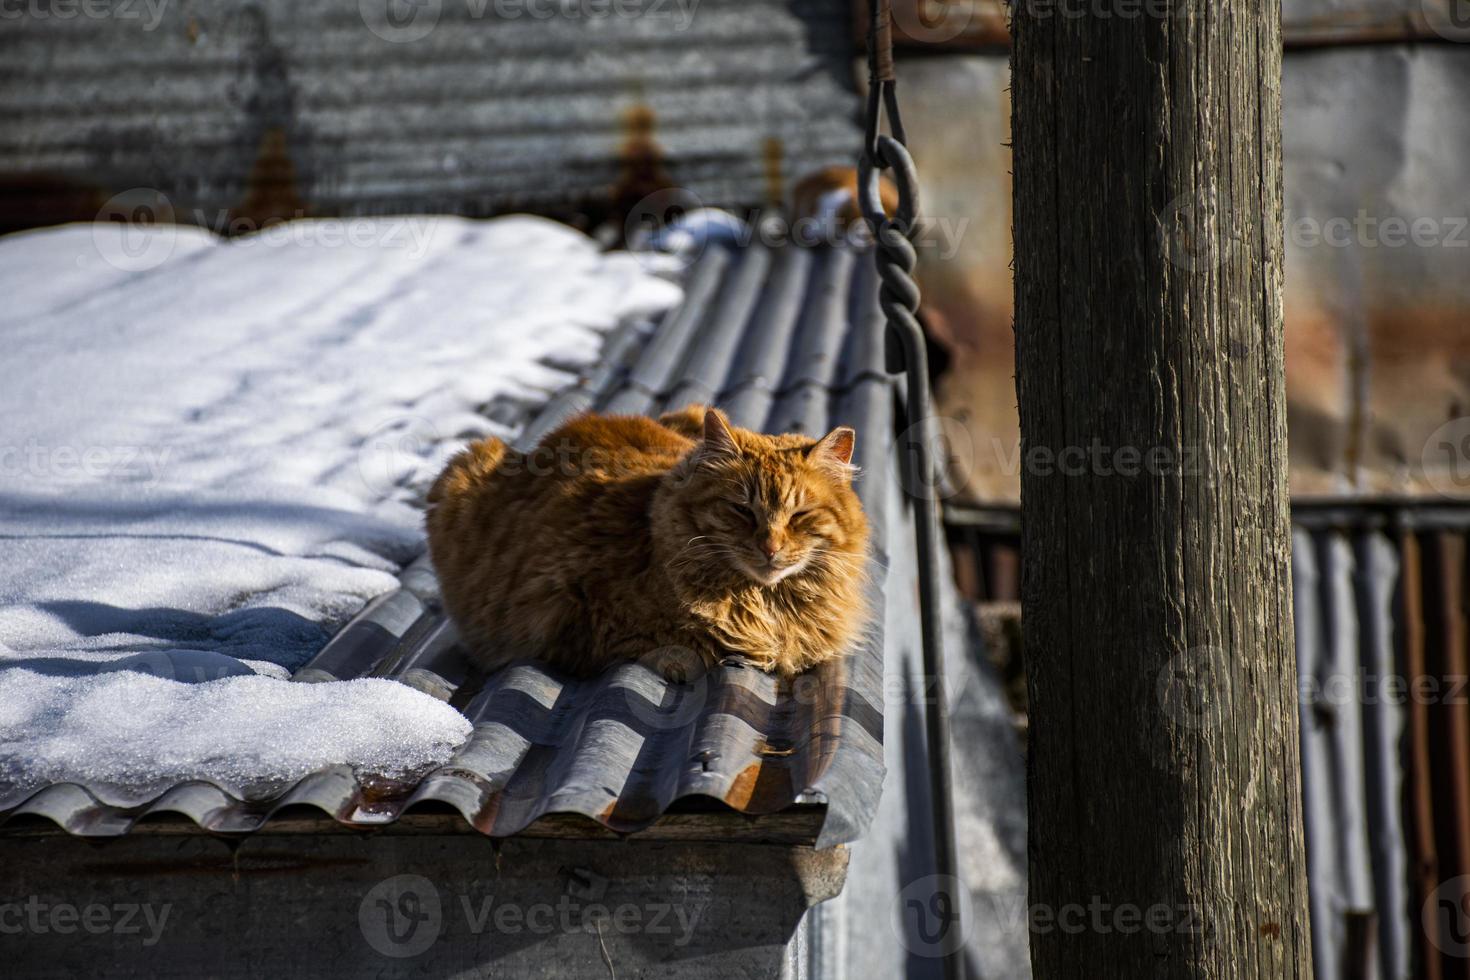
(695, 551)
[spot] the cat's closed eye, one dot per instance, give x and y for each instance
(744, 513)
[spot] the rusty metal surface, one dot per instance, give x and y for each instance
(1445, 660)
(1424, 876)
(983, 25)
(252, 110)
(624, 747)
(1377, 345)
(1378, 567)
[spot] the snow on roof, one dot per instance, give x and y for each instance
(784, 339)
(211, 456)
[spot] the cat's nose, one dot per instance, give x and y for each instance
(769, 547)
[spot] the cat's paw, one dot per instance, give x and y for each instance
(675, 673)
(677, 664)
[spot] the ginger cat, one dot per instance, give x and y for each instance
(677, 542)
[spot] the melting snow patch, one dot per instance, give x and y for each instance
(143, 733)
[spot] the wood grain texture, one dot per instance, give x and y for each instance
(1165, 799)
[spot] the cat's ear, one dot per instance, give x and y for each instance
(834, 451)
(719, 441)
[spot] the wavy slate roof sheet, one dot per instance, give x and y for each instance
(785, 340)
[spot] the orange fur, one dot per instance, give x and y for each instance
(677, 541)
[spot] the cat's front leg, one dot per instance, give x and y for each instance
(680, 659)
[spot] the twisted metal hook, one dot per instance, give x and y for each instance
(898, 297)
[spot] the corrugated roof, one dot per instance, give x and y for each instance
(277, 106)
(786, 340)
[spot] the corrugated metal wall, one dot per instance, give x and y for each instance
(268, 108)
(1382, 617)
(1376, 137)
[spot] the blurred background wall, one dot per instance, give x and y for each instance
(1377, 138)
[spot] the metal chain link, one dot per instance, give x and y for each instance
(896, 260)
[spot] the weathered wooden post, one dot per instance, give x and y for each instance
(1165, 790)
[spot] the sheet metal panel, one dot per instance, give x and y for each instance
(1323, 834)
(1384, 714)
(1447, 662)
(249, 110)
(623, 747)
(1377, 355)
(661, 361)
(1419, 808)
